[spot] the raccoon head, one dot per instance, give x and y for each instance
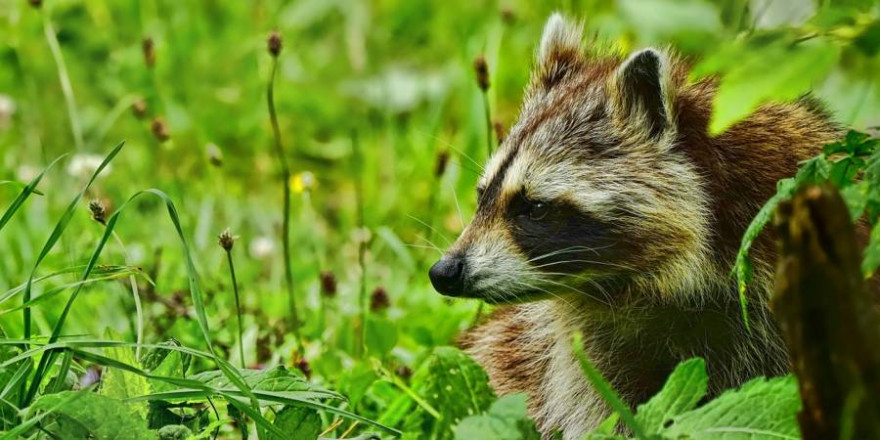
(589, 192)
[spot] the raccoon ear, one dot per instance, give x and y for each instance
(642, 91)
(560, 50)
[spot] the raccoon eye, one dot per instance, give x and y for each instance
(538, 210)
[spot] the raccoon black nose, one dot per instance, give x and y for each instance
(447, 276)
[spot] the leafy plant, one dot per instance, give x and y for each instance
(852, 165)
(759, 409)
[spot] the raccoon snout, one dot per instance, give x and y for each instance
(447, 276)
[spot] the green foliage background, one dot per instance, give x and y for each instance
(398, 73)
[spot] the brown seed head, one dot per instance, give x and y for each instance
(440, 165)
(149, 51)
(215, 156)
(500, 132)
(160, 130)
(507, 14)
(328, 284)
(482, 71)
(274, 43)
(139, 108)
(99, 212)
(404, 372)
(36, 3)
(379, 300)
(303, 365)
(226, 240)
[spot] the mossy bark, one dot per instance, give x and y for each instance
(828, 317)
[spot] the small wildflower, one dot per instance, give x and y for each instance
(160, 130)
(26, 173)
(361, 235)
(226, 240)
(500, 132)
(149, 50)
(379, 300)
(7, 110)
(274, 43)
(91, 376)
(215, 156)
(139, 108)
(482, 71)
(302, 182)
(303, 365)
(99, 211)
(328, 284)
(82, 166)
(262, 247)
(441, 162)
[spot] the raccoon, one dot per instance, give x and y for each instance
(609, 210)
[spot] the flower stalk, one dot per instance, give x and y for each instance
(227, 241)
(274, 47)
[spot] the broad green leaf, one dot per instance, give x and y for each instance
(298, 422)
(760, 409)
(753, 80)
(277, 378)
(507, 419)
(664, 18)
(453, 384)
(119, 384)
(101, 417)
(381, 336)
(167, 363)
(683, 390)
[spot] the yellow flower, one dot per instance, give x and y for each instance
(304, 181)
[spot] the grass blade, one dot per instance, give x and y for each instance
(30, 188)
(56, 234)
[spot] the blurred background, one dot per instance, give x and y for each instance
(384, 127)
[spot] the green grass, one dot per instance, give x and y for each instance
(366, 97)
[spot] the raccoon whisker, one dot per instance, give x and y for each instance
(453, 148)
(421, 246)
(457, 206)
(430, 244)
(606, 301)
(570, 249)
(521, 283)
(433, 229)
(600, 263)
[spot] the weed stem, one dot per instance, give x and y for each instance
(64, 78)
(237, 307)
(285, 233)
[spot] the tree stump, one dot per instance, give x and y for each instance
(828, 318)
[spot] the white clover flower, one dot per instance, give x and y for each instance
(7, 109)
(26, 173)
(83, 165)
(262, 247)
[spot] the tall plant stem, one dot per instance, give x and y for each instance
(362, 245)
(487, 112)
(64, 78)
(285, 233)
(237, 308)
(137, 300)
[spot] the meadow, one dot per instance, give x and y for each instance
(154, 155)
